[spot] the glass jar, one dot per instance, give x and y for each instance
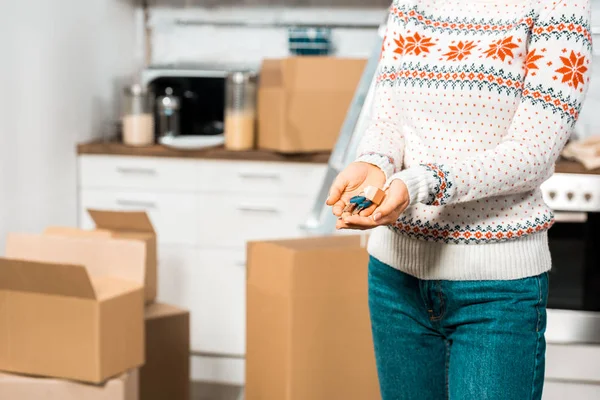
(168, 107)
(137, 118)
(240, 110)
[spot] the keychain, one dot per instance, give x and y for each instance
(371, 195)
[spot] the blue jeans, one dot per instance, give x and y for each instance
(457, 340)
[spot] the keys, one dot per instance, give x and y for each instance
(371, 195)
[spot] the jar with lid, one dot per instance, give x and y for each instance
(137, 118)
(240, 110)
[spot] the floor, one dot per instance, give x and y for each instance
(208, 391)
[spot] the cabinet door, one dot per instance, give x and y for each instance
(212, 285)
(175, 216)
(561, 390)
(237, 219)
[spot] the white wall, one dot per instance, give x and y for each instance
(173, 43)
(60, 64)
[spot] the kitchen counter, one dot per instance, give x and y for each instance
(219, 153)
(213, 153)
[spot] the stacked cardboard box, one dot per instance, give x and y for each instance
(79, 306)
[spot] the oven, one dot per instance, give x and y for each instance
(574, 298)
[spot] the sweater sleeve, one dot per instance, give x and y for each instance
(553, 92)
(383, 143)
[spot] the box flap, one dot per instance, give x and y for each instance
(124, 259)
(45, 278)
(319, 242)
(121, 221)
(76, 232)
(160, 310)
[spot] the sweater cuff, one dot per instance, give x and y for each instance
(430, 184)
(379, 160)
(418, 181)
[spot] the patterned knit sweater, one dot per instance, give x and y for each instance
(473, 104)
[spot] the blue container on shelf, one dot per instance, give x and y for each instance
(309, 41)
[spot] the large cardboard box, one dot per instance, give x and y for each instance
(113, 229)
(166, 373)
(58, 322)
(303, 101)
(21, 387)
(308, 328)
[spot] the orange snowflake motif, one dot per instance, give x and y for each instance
(418, 44)
(530, 61)
(400, 44)
(502, 48)
(573, 69)
(460, 51)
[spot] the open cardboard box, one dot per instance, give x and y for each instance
(122, 241)
(58, 322)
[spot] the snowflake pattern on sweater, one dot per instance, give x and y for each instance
(474, 102)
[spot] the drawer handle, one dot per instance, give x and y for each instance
(259, 175)
(136, 171)
(258, 209)
(136, 203)
(241, 264)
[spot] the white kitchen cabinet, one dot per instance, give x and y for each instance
(212, 283)
(569, 390)
(204, 212)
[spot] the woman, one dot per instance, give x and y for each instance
(474, 102)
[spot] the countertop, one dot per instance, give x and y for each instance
(213, 153)
(219, 153)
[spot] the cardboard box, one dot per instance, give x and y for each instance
(308, 327)
(303, 101)
(119, 226)
(58, 322)
(20, 387)
(166, 374)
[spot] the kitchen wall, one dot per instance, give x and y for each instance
(286, 3)
(184, 35)
(62, 62)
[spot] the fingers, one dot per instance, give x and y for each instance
(341, 224)
(338, 208)
(394, 203)
(337, 188)
(358, 222)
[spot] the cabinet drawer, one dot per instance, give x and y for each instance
(234, 220)
(212, 285)
(561, 390)
(139, 173)
(174, 216)
(266, 178)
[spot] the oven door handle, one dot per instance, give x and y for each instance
(571, 217)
